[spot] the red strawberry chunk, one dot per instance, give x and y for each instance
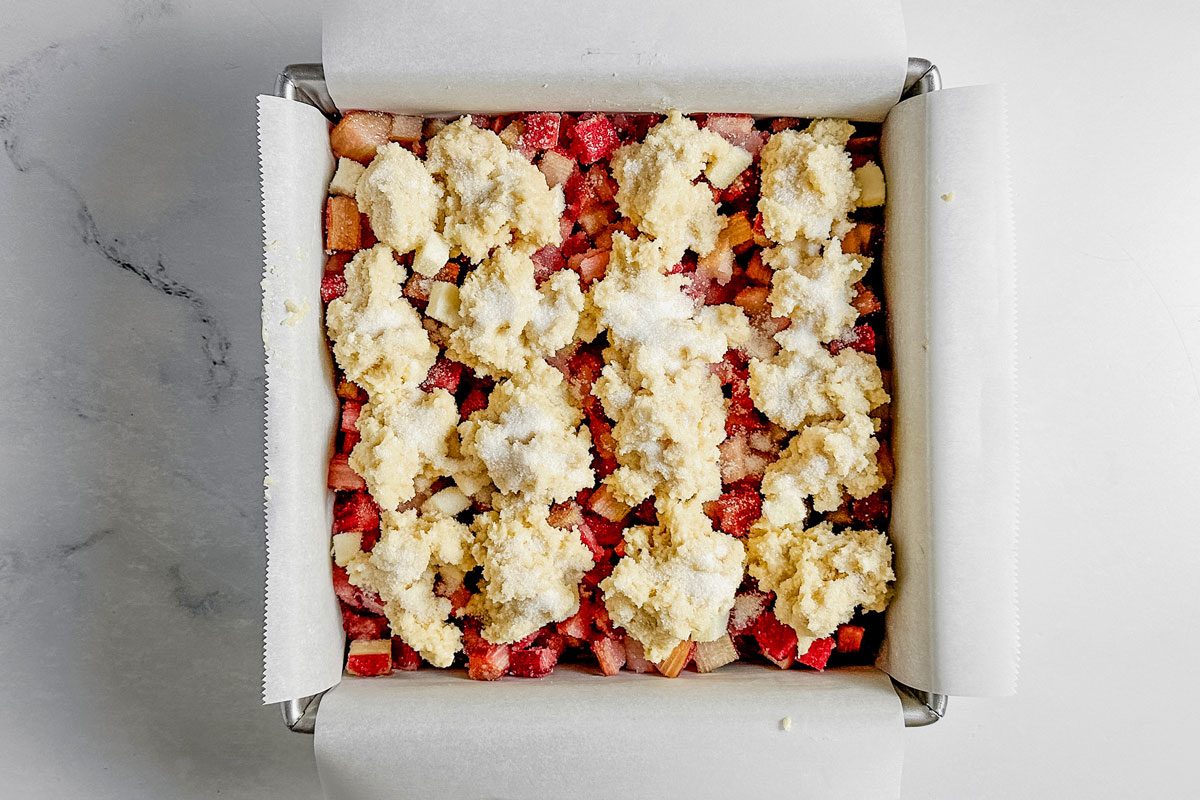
(355, 512)
(459, 599)
(585, 366)
(546, 262)
(476, 400)
(593, 137)
(552, 640)
(366, 233)
(342, 477)
(404, 658)
(610, 653)
(579, 624)
(351, 409)
(775, 640)
(818, 654)
(534, 662)
(607, 532)
(359, 134)
(634, 127)
(541, 130)
(333, 286)
(444, 374)
(349, 441)
(589, 541)
(369, 657)
(488, 663)
(473, 642)
(860, 338)
(363, 626)
(576, 244)
(870, 510)
(850, 638)
(738, 509)
(343, 229)
(521, 644)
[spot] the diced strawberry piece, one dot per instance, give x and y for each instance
(850, 638)
(363, 626)
(579, 624)
(333, 286)
(585, 366)
(444, 374)
(646, 513)
(541, 130)
(349, 440)
(730, 127)
(546, 262)
(473, 642)
(743, 190)
(336, 262)
(748, 606)
(606, 531)
(459, 599)
(369, 657)
(674, 664)
(488, 663)
(860, 338)
(343, 230)
(351, 409)
(354, 596)
(342, 477)
(732, 366)
(870, 510)
(865, 301)
(818, 654)
(738, 509)
(610, 653)
(593, 137)
(552, 640)
(634, 127)
(359, 134)
(521, 644)
(862, 149)
(366, 234)
(635, 657)
(775, 640)
(535, 662)
(476, 400)
(783, 123)
(575, 245)
(404, 658)
(485, 121)
(589, 541)
(355, 512)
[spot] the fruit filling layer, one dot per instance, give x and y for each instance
(613, 391)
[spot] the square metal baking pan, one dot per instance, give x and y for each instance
(305, 83)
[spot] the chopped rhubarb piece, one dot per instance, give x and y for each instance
(589, 541)
(753, 300)
(343, 229)
(775, 640)
(610, 653)
(369, 657)
(476, 400)
(333, 286)
(747, 608)
(634, 127)
(558, 168)
(567, 516)
(348, 390)
(739, 460)
(860, 338)
(674, 663)
(363, 626)
(534, 662)
(865, 301)
(366, 234)
(541, 130)
(404, 658)
(635, 657)
(444, 374)
(738, 230)
(349, 440)
(351, 409)
(818, 654)
(733, 128)
(603, 503)
(783, 123)
(488, 663)
(718, 263)
(858, 239)
(342, 477)
(738, 509)
(546, 262)
(579, 624)
(593, 137)
(360, 134)
(590, 265)
(575, 244)
(406, 129)
(355, 512)
(336, 262)
(354, 596)
(757, 271)
(850, 638)
(716, 654)
(871, 510)
(552, 640)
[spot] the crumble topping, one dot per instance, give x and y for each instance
(677, 580)
(406, 443)
(815, 292)
(505, 322)
(493, 196)
(400, 198)
(531, 571)
(528, 441)
(402, 569)
(378, 340)
(820, 577)
(808, 188)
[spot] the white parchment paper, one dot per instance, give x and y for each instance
(302, 648)
(434, 735)
(811, 59)
(952, 627)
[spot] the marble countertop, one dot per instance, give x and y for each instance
(131, 541)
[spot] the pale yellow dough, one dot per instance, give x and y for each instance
(403, 567)
(808, 188)
(820, 577)
(531, 571)
(400, 197)
(676, 582)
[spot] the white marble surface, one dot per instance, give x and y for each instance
(130, 542)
